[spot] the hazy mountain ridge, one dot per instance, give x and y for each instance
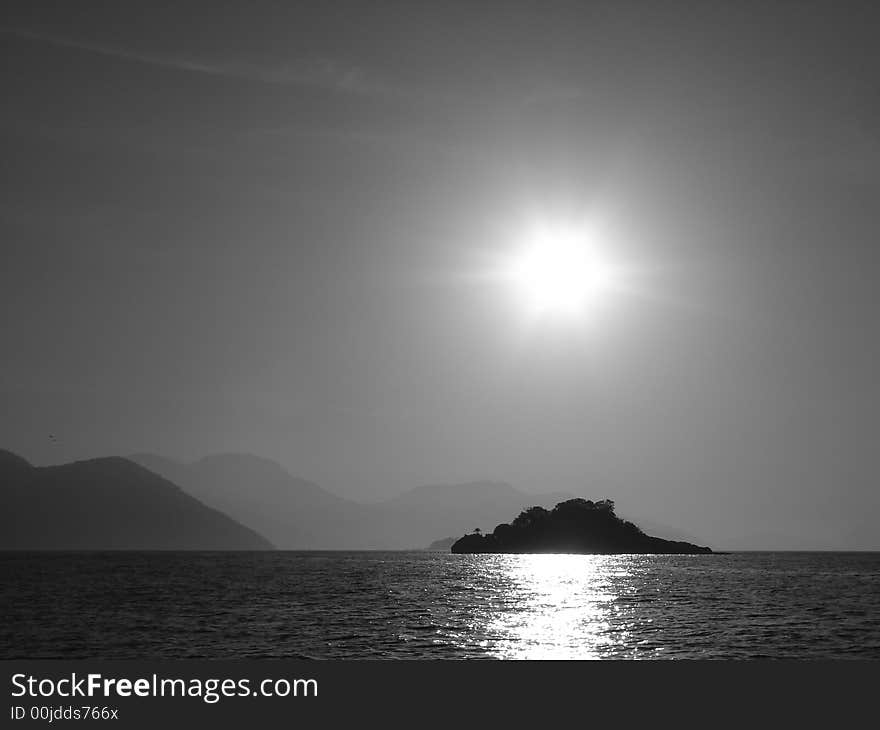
(252, 501)
(293, 513)
(297, 514)
(109, 503)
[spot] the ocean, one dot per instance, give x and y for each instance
(424, 605)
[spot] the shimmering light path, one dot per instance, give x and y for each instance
(430, 605)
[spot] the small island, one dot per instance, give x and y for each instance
(442, 545)
(573, 526)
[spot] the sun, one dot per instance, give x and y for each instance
(559, 271)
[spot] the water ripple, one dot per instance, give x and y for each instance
(429, 605)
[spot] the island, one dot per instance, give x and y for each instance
(573, 526)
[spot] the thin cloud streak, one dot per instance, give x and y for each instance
(313, 72)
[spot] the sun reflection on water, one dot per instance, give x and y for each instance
(563, 606)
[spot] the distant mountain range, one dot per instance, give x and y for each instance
(292, 513)
(233, 502)
(108, 504)
(296, 514)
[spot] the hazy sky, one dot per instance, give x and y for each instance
(261, 227)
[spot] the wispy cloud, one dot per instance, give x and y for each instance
(320, 73)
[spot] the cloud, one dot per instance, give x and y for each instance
(320, 73)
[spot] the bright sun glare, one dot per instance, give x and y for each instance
(560, 272)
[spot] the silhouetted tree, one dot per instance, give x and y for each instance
(530, 517)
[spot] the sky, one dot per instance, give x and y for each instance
(271, 228)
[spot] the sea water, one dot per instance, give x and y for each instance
(424, 605)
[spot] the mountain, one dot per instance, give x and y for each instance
(14, 470)
(663, 530)
(297, 514)
(108, 504)
(449, 509)
(293, 513)
(573, 526)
